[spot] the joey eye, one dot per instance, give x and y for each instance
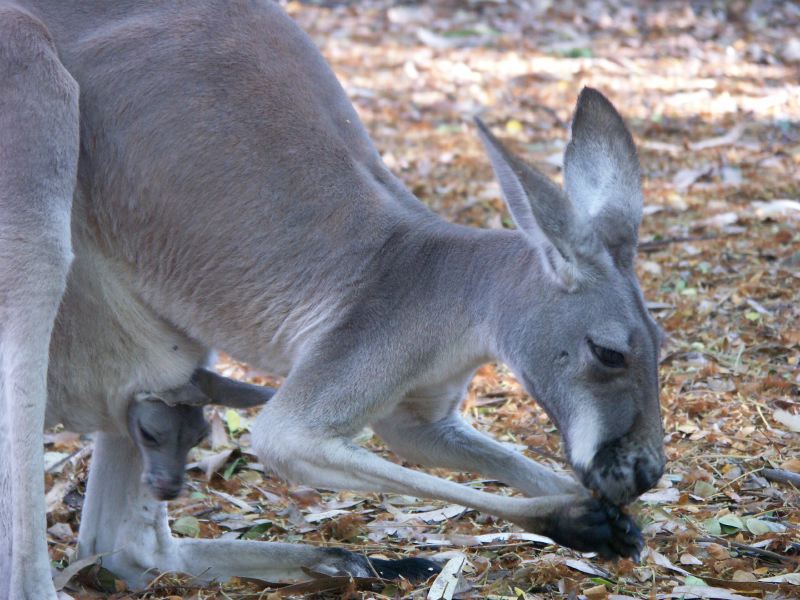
(147, 437)
(608, 357)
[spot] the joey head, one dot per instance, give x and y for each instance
(166, 425)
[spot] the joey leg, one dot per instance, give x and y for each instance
(123, 521)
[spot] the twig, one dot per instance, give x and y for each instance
(746, 586)
(654, 245)
(782, 476)
(75, 456)
(173, 588)
(749, 549)
(732, 481)
(207, 511)
(763, 419)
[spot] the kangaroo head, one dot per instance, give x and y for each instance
(575, 330)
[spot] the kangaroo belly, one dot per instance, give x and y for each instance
(108, 344)
(232, 227)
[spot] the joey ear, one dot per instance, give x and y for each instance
(230, 392)
(246, 398)
(538, 206)
(601, 171)
(187, 395)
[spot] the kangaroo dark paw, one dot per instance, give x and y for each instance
(595, 526)
(415, 570)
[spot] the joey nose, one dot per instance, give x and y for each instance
(167, 493)
(165, 487)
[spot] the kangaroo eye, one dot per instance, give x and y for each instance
(608, 357)
(147, 436)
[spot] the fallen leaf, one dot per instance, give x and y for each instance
(445, 584)
(54, 461)
(792, 422)
(703, 489)
(689, 559)
(432, 516)
(187, 526)
(723, 140)
(711, 593)
(233, 420)
(245, 506)
(731, 176)
(777, 208)
(731, 521)
(791, 578)
(793, 465)
(218, 437)
(758, 527)
(61, 531)
(322, 516)
(513, 126)
(584, 567)
(211, 463)
(665, 496)
(598, 592)
(62, 578)
(686, 177)
(663, 561)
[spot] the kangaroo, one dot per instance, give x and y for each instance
(180, 176)
(166, 425)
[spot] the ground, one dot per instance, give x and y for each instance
(711, 92)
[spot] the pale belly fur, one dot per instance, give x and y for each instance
(107, 344)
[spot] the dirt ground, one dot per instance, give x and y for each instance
(711, 91)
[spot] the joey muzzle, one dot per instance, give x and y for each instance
(164, 486)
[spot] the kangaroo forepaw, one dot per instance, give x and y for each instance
(592, 525)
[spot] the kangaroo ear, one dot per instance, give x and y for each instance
(538, 206)
(601, 171)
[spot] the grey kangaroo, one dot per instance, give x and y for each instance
(166, 425)
(180, 176)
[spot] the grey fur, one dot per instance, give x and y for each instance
(227, 196)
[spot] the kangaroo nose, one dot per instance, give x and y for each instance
(620, 474)
(647, 474)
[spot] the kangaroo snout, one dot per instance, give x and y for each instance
(623, 470)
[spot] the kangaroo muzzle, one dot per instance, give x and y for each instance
(623, 469)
